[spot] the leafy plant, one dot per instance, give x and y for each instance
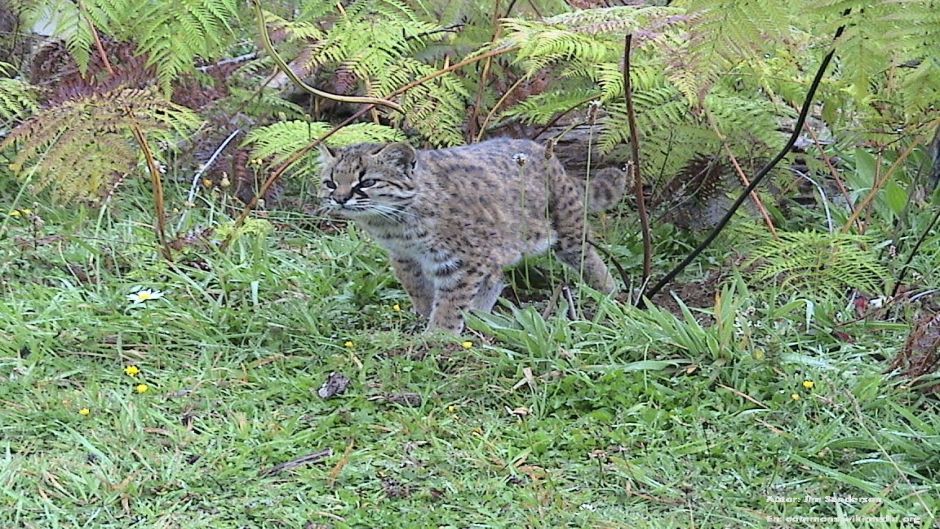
(372, 46)
(16, 97)
(74, 148)
(817, 261)
(172, 34)
(280, 140)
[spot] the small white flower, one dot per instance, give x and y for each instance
(143, 295)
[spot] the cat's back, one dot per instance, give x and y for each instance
(493, 162)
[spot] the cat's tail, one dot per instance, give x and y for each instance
(606, 188)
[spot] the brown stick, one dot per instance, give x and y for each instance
(478, 101)
(286, 69)
(309, 458)
(741, 176)
(832, 170)
(876, 186)
(496, 107)
(155, 181)
(637, 178)
(564, 113)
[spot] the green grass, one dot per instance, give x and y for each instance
(630, 419)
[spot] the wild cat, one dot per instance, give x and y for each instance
(453, 219)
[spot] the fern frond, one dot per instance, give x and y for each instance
(75, 147)
(16, 97)
(281, 140)
(817, 261)
(373, 43)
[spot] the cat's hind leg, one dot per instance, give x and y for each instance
(572, 247)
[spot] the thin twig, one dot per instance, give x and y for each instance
(822, 194)
(294, 463)
(285, 68)
(875, 188)
(157, 184)
(741, 176)
(496, 107)
(478, 100)
(637, 175)
(564, 113)
(138, 133)
(195, 184)
(231, 60)
(804, 111)
(832, 170)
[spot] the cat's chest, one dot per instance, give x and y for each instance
(404, 240)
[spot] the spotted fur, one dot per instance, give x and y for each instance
(453, 219)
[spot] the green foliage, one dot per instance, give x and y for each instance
(172, 33)
(586, 49)
(706, 73)
(16, 97)
(280, 140)
(373, 45)
(75, 148)
(812, 261)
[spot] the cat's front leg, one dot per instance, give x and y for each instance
(456, 289)
(418, 287)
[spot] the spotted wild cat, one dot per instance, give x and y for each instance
(452, 219)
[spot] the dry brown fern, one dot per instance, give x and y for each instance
(78, 146)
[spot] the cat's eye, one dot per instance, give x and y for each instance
(329, 184)
(368, 182)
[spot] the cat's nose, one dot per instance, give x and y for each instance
(342, 199)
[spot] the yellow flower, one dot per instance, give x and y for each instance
(808, 384)
(396, 307)
(795, 396)
(466, 345)
(142, 388)
(132, 370)
(15, 213)
(452, 408)
(84, 411)
(26, 211)
(206, 182)
(349, 344)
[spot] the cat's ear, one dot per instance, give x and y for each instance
(399, 153)
(326, 154)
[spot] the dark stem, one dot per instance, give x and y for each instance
(914, 250)
(557, 118)
(804, 111)
(637, 178)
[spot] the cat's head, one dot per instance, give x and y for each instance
(367, 179)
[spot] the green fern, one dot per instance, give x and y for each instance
(816, 261)
(16, 97)
(75, 148)
(375, 42)
(172, 33)
(279, 141)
